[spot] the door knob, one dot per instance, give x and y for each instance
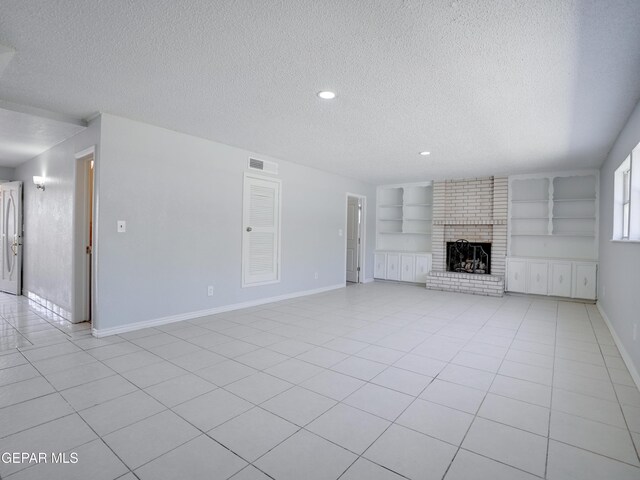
(249, 229)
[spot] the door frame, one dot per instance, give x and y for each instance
(85, 300)
(19, 228)
(363, 235)
(244, 245)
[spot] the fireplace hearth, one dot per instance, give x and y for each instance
(468, 257)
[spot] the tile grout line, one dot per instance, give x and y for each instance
(475, 416)
(553, 373)
(614, 390)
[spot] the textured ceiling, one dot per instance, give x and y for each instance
(487, 86)
(23, 135)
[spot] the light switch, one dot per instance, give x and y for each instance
(339, 232)
(122, 226)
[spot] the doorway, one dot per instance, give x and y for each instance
(11, 237)
(85, 238)
(354, 239)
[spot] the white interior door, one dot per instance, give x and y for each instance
(261, 231)
(11, 230)
(353, 239)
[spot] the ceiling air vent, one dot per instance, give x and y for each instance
(263, 166)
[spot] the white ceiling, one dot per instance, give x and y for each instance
(488, 86)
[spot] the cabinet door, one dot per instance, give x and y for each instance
(584, 284)
(517, 276)
(393, 266)
(407, 264)
(560, 279)
(423, 266)
(538, 277)
(380, 268)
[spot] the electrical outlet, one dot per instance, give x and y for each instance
(315, 275)
(635, 331)
(122, 226)
(210, 291)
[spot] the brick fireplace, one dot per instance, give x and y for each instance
(474, 210)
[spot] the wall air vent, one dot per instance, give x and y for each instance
(263, 166)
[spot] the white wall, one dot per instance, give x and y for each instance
(49, 219)
(619, 267)
(181, 197)
(7, 173)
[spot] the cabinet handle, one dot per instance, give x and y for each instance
(560, 278)
(585, 281)
(537, 277)
(516, 275)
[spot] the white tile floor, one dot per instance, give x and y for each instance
(376, 381)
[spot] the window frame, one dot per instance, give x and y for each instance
(626, 201)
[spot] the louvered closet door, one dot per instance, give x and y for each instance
(261, 231)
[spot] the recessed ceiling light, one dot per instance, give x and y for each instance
(424, 154)
(327, 95)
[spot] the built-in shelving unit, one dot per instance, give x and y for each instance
(404, 217)
(554, 215)
(553, 234)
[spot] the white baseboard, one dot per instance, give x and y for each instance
(623, 351)
(156, 322)
(367, 280)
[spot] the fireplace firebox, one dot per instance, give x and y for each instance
(468, 257)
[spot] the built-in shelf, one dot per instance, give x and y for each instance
(572, 234)
(405, 215)
(530, 234)
(559, 200)
(562, 208)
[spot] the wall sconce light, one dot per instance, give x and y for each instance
(38, 182)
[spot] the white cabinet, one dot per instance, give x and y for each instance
(584, 284)
(407, 265)
(380, 267)
(393, 266)
(517, 276)
(538, 277)
(560, 279)
(423, 267)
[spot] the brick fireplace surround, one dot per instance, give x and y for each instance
(475, 210)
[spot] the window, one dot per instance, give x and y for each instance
(626, 201)
(626, 206)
